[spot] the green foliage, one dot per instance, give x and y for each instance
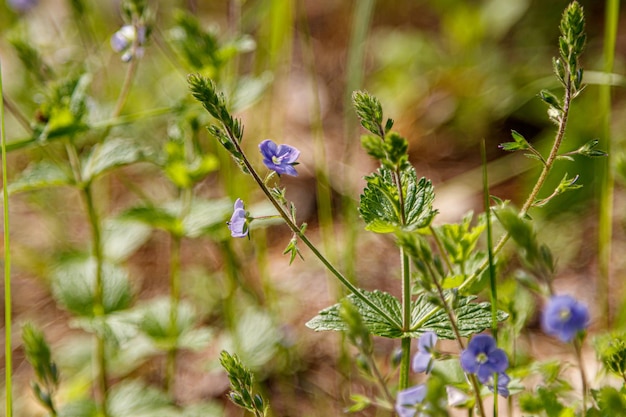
(73, 287)
(537, 256)
(113, 153)
(241, 385)
(369, 112)
(611, 350)
(201, 217)
(186, 173)
(38, 355)
(471, 317)
(39, 176)
(156, 322)
(382, 208)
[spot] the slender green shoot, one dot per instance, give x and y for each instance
(492, 269)
(8, 318)
(607, 183)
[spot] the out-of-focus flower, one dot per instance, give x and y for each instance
(503, 384)
(408, 400)
(22, 6)
(456, 397)
(238, 224)
(423, 359)
(279, 158)
(483, 358)
(129, 41)
(564, 317)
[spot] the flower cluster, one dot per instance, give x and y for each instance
(129, 41)
(564, 317)
(22, 6)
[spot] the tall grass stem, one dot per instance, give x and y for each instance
(8, 316)
(607, 181)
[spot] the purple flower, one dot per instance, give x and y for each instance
(483, 358)
(238, 224)
(503, 384)
(279, 158)
(423, 359)
(407, 400)
(124, 41)
(22, 6)
(564, 317)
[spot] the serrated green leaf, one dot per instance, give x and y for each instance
(80, 408)
(73, 285)
(155, 322)
(330, 318)
(249, 90)
(201, 217)
(254, 339)
(134, 399)
(39, 176)
(157, 217)
(380, 204)
(471, 317)
(111, 154)
(122, 237)
(204, 215)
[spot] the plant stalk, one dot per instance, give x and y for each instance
(8, 312)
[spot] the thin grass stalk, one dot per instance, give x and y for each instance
(8, 312)
(492, 269)
(363, 10)
(607, 180)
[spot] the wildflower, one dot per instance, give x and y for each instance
(456, 397)
(407, 400)
(483, 358)
(22, 6)
(503, 384)
(238, 224)
(279, 158)
(564, 317)
(423, 359)
(129, 40)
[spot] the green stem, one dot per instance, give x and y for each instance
(98, 304)
(607, 180)
(405, 364)
(583, 376)
(528, 204)
(8, 317)
(170, 367)
(490, 259)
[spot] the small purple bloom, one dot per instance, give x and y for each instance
(238, 224)
(483, 358)
(564, 317)
(503, 384)
(407, 400)
(123, 41)
(423, 359)
(22, 6)
(279, 158)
